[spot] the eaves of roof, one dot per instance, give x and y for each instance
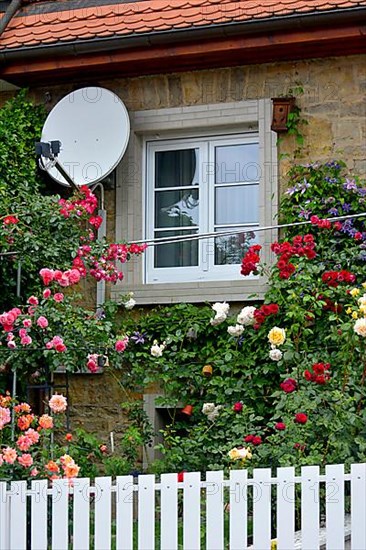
(293, 36)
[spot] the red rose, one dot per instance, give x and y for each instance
(249, 438)
(274, 308)
(318, 368)
(307, 375)
(358, 236)
(280, 426)
(301, 418)
(238, 407)
(289, 385)
(257, 440)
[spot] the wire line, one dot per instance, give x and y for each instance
(198, 236)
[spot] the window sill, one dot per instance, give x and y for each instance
(193, 292)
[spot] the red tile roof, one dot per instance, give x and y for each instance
(67, 21)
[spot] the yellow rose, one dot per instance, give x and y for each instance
(354, 292)
(277, 336)
(349, 311)
(362, 308)
(355, 315)
(364, 285)
(234, 454)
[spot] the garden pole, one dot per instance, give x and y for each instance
(14, 388)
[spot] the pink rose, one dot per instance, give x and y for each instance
(47, 275)
(64, 280)
(27, 323)
(58, 297)
(26, 340)
(74, 276)
(11, 344)
(58, 403)
(9, 455)
(25, 460)
(42, 322)
(22, 333)
(46, 293)
(57, 275)
(121, 344)
(34, 472)
(238, 407)
(33, 301)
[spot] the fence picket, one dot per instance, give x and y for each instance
(146, 512)
(103, 513)
(261, 508)
(334, 506)
(286, 508)
(169, 512)
(60, 514)
(124, 512)
(81, 514)
(15, 501)
(18, 515)
(214, 510)
(192, 511)
(238, 509)
(358, 506)
(310, 507)
(39, 514)
(4, 518)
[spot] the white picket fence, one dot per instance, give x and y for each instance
(215, 514)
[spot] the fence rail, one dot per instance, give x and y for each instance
(309, 511)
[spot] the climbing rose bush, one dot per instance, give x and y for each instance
(295, 361)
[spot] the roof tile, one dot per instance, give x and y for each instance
(147, 16)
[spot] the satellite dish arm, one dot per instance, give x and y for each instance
(65, 175)
(50, 150)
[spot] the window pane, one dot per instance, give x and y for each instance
(236, 204)
(176, 208)
(236, 163)
(183, 254)
(176, 168)
(231, 248)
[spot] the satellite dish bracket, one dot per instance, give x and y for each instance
(50, 150)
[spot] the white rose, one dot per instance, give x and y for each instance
(218, 319)
(360, 327)
(130, 303)
(246, 316)
(237, 330)
(156, 350)
(214, 414)
(208, 408)
(221, 308)
(275, 354)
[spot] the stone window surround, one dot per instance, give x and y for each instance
(213, 119)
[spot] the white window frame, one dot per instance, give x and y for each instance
(206, 269)
(130, 215)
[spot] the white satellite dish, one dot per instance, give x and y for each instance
(93, 127)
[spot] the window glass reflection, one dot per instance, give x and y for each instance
(176, 168)
(237, 163)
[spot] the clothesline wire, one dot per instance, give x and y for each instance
(198, 236)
